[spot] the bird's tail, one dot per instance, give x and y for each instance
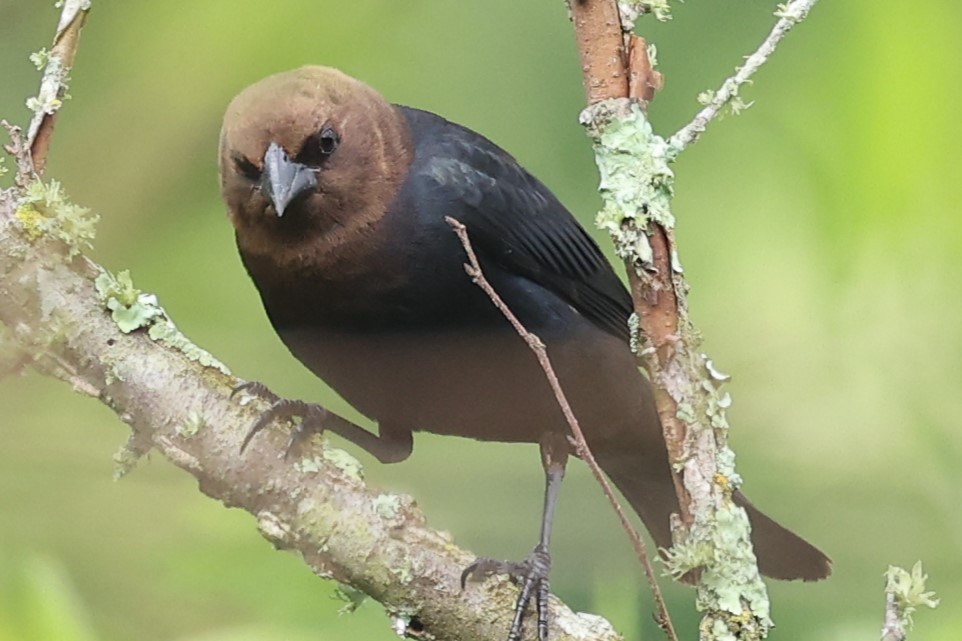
(781, 553)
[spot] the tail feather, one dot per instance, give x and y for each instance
(781, 553)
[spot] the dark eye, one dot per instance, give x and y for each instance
(248, 169)
(318, 147)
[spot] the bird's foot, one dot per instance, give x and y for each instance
(531, 575)
(311, 416)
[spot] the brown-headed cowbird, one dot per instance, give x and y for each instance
(339, 200)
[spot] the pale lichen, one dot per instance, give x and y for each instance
(388, 506)
(351, 596)
(311, 465)
(636, 183)
(133, 309)
(129, 307)
(343, 461)
(44, 210)
(192, 426)
(908, 591)
(631, 10)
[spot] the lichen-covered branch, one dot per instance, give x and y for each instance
(114, 343)
(637, 187)
(789, 15)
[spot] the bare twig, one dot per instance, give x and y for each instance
(17, 148)
(789, 15)
(53, 88)
(473, 269)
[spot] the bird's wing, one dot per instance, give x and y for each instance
(516, 222)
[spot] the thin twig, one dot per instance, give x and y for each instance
(905, 592)
(473, 269)
(53, 86)
(894, 629)
(789, 15)
(17, 148)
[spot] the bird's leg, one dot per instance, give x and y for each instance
(391, 446)
(532, 573)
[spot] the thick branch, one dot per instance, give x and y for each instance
(317, 506)
(712, 537)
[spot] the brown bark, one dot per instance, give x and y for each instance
(602, 48)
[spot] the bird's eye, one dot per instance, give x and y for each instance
(329, 140)
(248, 169)
(318, 147)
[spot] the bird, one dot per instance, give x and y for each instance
(339, 199)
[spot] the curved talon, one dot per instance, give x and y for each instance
(274, 412)
(255, 388)
(485, 568)
(312, 422)
(531, 574)
(312, 416)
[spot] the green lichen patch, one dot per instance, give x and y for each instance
(351, 596)
(129, 307)
(731, 582)
(631, 10)
(636, 183)
(40, 59)
(167, 332)
(388, 506)
(908, 589)
(44, 210)
(133, 309)
(343, 461)
(192, 426)
(309, 465)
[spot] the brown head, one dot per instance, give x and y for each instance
(310, 159)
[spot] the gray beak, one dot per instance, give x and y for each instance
(284, 180)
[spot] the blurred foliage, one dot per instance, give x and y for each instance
(820, 232)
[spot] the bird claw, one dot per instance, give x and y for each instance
(531, 574)
(255, 388)
(312, 416)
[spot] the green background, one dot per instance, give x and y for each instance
(819, 231)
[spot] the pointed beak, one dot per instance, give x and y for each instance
(284, 180)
